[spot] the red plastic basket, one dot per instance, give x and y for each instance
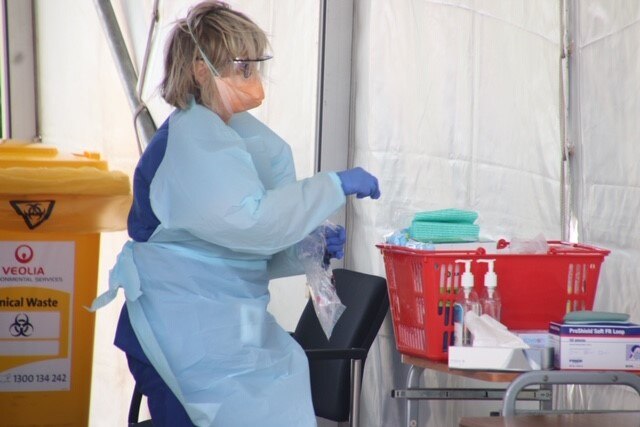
(535, 289)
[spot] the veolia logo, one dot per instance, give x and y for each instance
(23, 254)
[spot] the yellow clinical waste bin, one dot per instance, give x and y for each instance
(53, 207)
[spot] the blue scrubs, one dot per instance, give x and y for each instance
(165, 409)
(217, 212)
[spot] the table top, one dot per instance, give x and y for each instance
(493, 376)
(617, 419)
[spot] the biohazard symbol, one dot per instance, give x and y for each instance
(34, 212)
(21, 327)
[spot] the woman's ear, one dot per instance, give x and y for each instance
(200, 71)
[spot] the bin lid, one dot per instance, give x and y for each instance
(42, 189)
(15, 153)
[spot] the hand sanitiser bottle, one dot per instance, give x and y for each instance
(490, 301)
(467, 300)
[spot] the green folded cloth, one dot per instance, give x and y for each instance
(443, 232)
(588, 316)
(447, 215)
(445, 226)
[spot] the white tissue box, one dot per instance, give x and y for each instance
(500, 358)
(596, 346)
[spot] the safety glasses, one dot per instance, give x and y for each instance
(247, 67)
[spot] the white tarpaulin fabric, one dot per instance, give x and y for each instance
(606, 132)
(458, 105)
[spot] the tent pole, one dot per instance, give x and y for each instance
(126, 71)
(572, 140)
(565, 177)
(334, 109)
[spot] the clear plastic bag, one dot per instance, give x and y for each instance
(311, 252)
(536, 245)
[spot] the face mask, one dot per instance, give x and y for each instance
(239, 94)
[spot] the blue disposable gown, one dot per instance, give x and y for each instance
(230, 212)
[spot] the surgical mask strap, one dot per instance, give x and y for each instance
(204, 57)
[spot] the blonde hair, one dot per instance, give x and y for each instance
(223, 34)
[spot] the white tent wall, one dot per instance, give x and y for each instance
(608, 93)
(82, 106)
(457, 104)
(606, 104)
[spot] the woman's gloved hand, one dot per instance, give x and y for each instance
(335, 238)
(359, 182)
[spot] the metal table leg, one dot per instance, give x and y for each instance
(413, 381)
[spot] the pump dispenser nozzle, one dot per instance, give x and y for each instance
(490, 278)
(467, 276)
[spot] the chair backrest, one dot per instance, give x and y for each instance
(366, 300)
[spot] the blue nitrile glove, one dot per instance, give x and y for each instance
(359, 182)
(335, 239)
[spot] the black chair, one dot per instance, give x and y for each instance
(134, 410)
(335, 365)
